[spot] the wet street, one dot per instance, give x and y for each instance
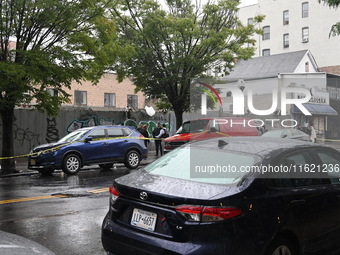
(63, 213)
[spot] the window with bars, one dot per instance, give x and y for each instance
(109, 99)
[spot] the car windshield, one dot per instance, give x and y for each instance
(74, 136)
(276, 133)
(193, 126)
(204, 165)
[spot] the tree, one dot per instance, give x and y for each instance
(177, 41)
(55, 43)
(335, 30)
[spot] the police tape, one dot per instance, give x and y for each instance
(60, 146)
(122, 137)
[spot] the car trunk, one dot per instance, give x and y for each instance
(148, 203)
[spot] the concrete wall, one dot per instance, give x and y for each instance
(32, 128)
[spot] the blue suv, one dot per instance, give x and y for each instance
(102, 145)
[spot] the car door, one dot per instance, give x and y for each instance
(330, 162)
(96, 149)
(310, 200)
(118, 142)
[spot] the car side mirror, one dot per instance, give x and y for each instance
(213, 130)
(88, 139)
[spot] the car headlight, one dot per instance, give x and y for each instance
(52, 150)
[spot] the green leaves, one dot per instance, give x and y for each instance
(56, 42)
(177, 41)
(335, 29)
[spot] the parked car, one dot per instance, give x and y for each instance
(11, 244)
(200, 129)
(290, 133)
(103, 145)
(179, 205)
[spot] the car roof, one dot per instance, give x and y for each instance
(106, 126)
(261, 146)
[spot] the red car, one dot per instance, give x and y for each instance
(200, 129)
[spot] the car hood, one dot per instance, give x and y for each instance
(165, 189)
(186, 137)
(48, 145)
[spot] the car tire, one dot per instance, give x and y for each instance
(71, 164)
(106, 166)
(132, 159)
(282, 246)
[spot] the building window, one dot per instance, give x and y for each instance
(305, 34)
(250, 21)
(286, 41)
(265, 52)
(266, 33)
(109, 99)
(285, 17)
(307, 67)
(305, 10)
(132, 101)
(80, 97)
(53, 92)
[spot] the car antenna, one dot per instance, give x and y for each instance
(221, 144)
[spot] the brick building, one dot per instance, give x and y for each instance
(107, 93)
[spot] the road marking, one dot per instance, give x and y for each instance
(9, 201)
(96, 191)
(29, 199)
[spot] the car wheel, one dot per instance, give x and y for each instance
(132, 159)
(46, 171)
(106, 166)
(282, 246)
(71, 164)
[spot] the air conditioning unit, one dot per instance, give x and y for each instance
(305, 40)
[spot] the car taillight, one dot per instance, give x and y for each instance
(113, 194)
(208, 214)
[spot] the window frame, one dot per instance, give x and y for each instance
(113, 101)
(285, 17)
(265, 50)
(134, 103)
(286, 40)
(266, 34)
(83, 95)
(305, 36)
(305, 9)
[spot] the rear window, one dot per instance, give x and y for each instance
(203, 165)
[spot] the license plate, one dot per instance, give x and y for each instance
(143, 219)
(33, 162)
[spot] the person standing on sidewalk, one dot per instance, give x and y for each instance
(158, 133)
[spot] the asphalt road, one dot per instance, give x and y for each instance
(63, 213)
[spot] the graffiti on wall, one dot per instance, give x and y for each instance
(52, 134)
(89, 122)
(24, 136)
(151, 125)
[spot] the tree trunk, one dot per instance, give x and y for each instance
(7, 165)
(179, 117)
